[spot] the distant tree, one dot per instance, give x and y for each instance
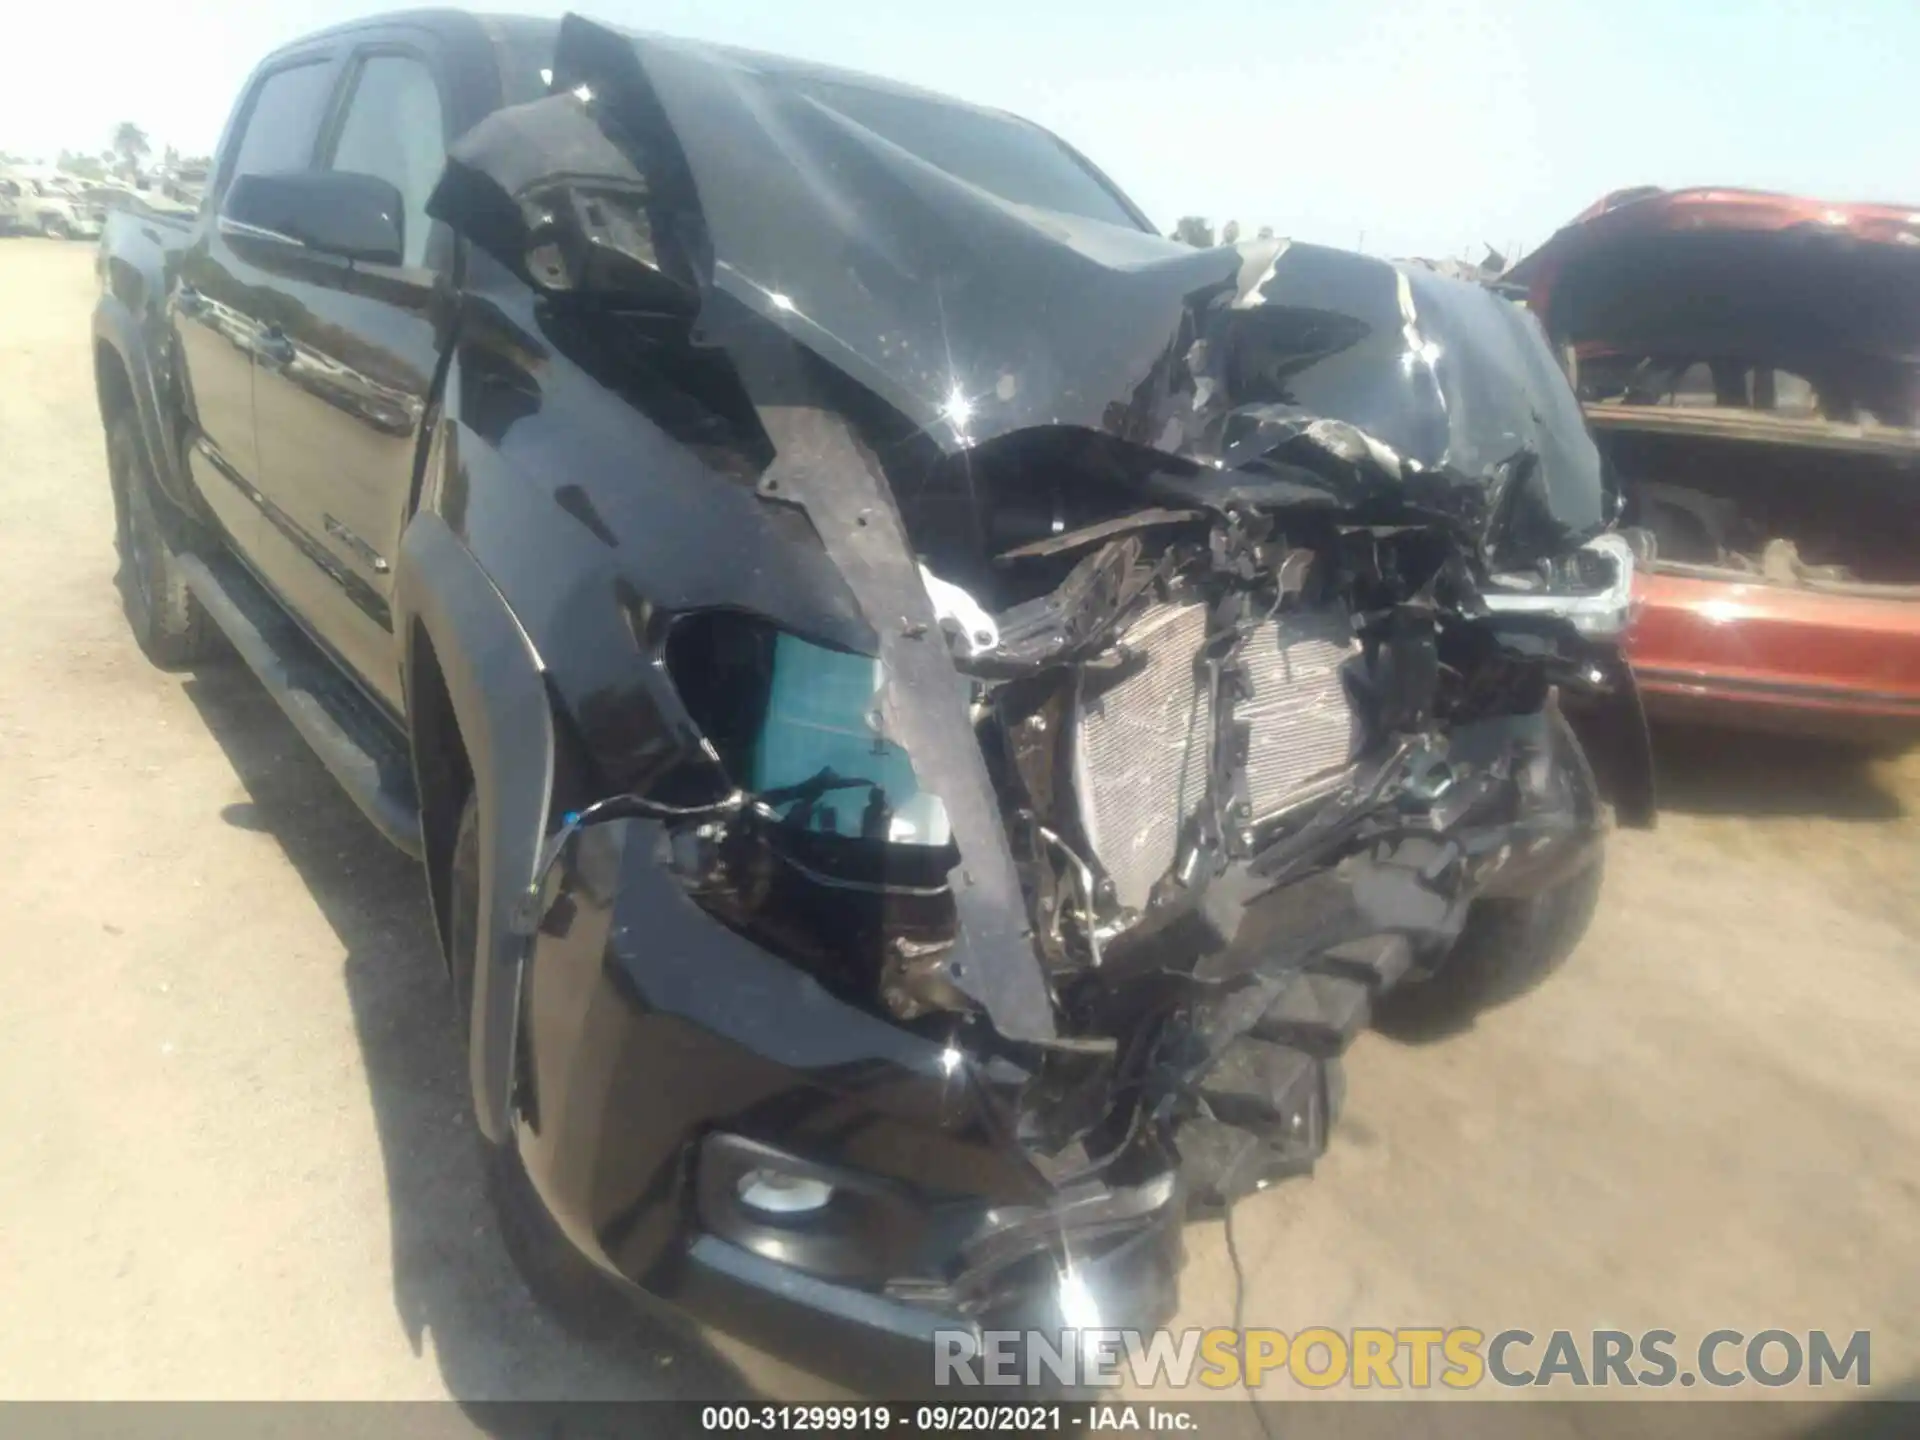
(130, 144)
(87, 167)
(1266, 233)
(1230, 233)
(1194, 230)
(170, 159)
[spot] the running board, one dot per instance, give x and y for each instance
(353, 740)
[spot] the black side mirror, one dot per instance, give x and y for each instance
(336, 212)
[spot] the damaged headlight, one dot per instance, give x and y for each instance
(1592, 588)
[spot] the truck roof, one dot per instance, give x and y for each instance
(520, 31)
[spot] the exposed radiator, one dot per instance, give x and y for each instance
(1304, 732)
(1141, 748)
(1140, 753)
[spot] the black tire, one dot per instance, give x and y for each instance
(166, 620)
(1506, 949)
(55, 227)
(583, 1300)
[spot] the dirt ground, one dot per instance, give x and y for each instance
(234, 1153)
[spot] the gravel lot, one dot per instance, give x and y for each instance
(235, 1159)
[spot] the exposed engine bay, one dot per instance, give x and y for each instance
(1181, 697)
(1195, 714)
(1191, 619)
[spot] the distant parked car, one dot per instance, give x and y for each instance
(35, 206)
(1750, 364)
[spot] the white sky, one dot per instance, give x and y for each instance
(1426, 127)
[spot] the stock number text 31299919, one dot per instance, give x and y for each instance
(902, 1419)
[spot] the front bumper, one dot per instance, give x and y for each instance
(786, 1331)
(651, 1033)
(663, 1056)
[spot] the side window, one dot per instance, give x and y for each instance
(284, 121)
(393, 129)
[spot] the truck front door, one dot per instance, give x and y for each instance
(344, 376)
(223, 299)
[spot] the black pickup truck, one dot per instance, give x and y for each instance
(929, 713)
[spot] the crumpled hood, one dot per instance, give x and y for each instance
(975, 317)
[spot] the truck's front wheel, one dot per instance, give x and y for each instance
(1510, 943)
(166, 620)
(1507, 948)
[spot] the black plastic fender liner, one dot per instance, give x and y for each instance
(498, 688)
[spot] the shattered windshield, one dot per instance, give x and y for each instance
(524, 50)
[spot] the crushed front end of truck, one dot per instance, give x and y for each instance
(1182, 668)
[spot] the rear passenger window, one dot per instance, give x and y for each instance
(393, 129)
(283, 121)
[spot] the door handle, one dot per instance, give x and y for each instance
(274, 347)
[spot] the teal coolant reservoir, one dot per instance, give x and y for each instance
(822, 714)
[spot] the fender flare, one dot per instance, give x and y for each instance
(497, 685)
(118, 328)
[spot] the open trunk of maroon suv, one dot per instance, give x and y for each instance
(1750, 365)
